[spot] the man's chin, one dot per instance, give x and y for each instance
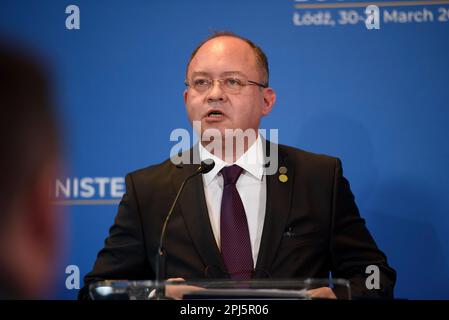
(215, 129)
(221, 130)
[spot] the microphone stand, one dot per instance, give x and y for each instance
(204, 167)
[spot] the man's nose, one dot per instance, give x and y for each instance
(216, 92)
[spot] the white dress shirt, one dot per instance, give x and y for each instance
(251, 186)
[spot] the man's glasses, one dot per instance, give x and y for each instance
(232, 85)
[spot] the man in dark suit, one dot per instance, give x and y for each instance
(238, 221)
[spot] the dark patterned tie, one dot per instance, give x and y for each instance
(234, 232)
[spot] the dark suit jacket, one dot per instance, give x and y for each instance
(312, 226)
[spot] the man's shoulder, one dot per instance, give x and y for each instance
(300, 156)
(154, 170)
(312, 167)
(164, 171)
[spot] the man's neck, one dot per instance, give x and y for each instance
(230, 149)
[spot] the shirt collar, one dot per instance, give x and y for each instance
(252, 161)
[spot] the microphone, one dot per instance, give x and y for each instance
(205, 167)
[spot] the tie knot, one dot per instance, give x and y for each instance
(231, 174)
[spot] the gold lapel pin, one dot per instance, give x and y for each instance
(283, 178)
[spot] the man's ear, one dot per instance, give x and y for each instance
(43, 223)
(186, 93)
(269, 98)
(42, 216)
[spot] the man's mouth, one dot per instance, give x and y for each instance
(215, 115)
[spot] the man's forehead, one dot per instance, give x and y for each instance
(225, 47)
(223, 54)
(225, 42)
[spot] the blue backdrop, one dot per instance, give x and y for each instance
(378, 99)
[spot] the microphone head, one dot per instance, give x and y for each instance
(206, 166)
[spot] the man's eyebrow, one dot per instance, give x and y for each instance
(226, 73)
(200, 73)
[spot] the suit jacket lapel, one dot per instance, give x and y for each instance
(279, 195)
(192, 204)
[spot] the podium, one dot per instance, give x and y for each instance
(266, 289)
